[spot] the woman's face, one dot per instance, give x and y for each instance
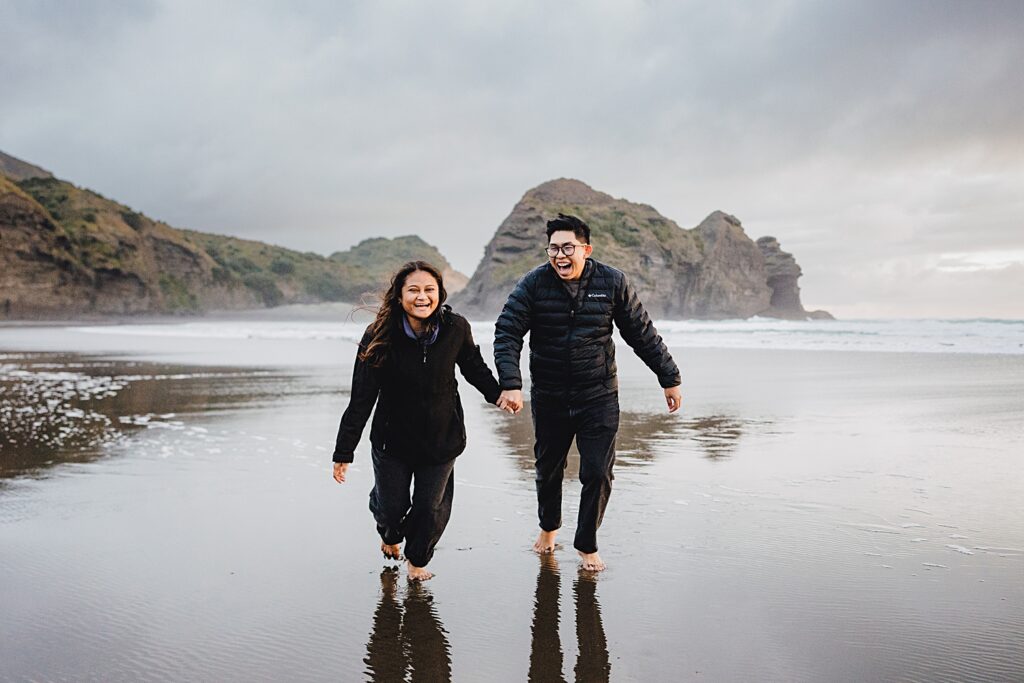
(419, 295)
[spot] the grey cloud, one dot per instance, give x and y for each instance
(854, 131)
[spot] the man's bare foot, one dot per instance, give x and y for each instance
(591, 562)
(545, 543)
(391, 552)
(417, 573)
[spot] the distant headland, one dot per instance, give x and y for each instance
(68, 252)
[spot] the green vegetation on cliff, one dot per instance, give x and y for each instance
(713, 270)
(71, 251)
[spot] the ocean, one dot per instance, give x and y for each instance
(920, 336)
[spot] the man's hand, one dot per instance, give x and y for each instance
(511, 400)
(340, 468)
(674, 398)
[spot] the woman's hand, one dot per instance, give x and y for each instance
(673, 398)
(511, 401)
(340, 468)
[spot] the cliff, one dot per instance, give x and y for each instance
(713, 271)
(69, 252)
(16, 169)
(365, 261)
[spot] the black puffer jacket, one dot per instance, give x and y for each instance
(572, 353)
(419, 413)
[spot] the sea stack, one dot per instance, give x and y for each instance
(713, 271)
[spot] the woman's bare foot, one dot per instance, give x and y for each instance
(545, 543)
(391, 552)
(591, 562)
(417, 573)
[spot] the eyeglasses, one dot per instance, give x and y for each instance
(568, 249)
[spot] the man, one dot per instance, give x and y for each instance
(568, 305)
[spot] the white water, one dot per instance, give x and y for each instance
(923, 336)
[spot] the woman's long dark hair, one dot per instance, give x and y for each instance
(390, 313)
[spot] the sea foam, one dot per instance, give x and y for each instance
(985, 336)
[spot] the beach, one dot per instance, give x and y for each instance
(824, 507)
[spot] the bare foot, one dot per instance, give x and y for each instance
(545, 543)
(391, 552)
(417, 573)
(591, 562)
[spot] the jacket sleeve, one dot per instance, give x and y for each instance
(637, 329)
(474, 369)
(509, 331)
(365, 389)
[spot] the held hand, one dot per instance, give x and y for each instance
(511, 401)
(674, 398)
(340, 468)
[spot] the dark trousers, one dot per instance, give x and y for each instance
(420, 519)
(594, 426)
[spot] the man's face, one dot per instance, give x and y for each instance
(568, 267)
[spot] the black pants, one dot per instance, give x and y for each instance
(594, 426)
(419, 521)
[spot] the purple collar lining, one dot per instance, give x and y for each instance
(409, 332)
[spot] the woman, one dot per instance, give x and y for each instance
(406, 365)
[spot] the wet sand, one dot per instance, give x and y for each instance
(809, 516)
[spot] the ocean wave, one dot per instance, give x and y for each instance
(985, 336)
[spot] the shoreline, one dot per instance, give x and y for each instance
(328, 310)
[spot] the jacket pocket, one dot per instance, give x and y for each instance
(459, 426)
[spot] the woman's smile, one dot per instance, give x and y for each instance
(419, 295)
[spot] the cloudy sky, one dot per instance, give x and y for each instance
(881, 142)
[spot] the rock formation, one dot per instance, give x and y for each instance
(713, 271)
(783, 273)
(68, 252)
(370, 258)
(16, 169)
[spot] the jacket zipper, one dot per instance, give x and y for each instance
(568, 346)
(581, 296)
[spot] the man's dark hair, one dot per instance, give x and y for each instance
(566, 222)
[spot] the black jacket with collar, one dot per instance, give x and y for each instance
(572, 353)
(419, 414)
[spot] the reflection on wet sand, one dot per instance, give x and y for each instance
(717, 435)
(58, 408)
(712, 436)
(545, 645)
(592, 660)
(408, 641)
(592, 663)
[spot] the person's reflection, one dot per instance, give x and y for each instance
(408, 641)
(717, 435)
(545, 646)
(592, 661)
